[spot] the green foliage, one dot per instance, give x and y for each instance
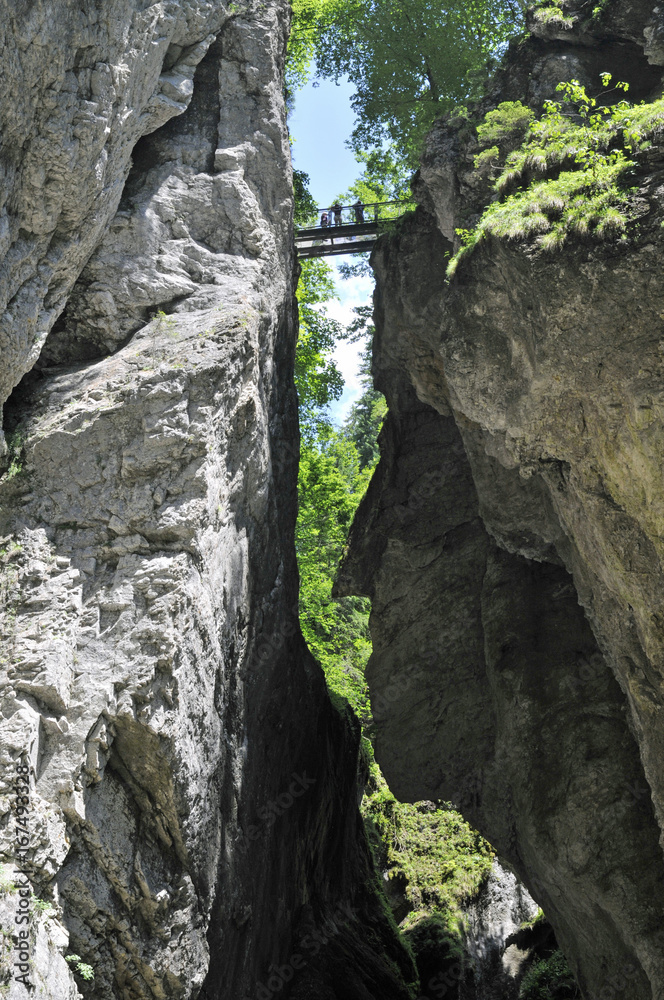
(335, 468)
(385, 177)
(302, 43)
(552, 12)
(163, 323)
(363, 423)
(317, 379)
(539, 918)
(430, 848)
(487, 158)
(570, 174)
(410, 60)
(305, 205)
(366, 415)
(330, 487)
(15, 443)
(84, 970)
(549, 979)
(41, 906)
(508, 121)
(599, 9)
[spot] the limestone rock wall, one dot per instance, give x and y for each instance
(492, 919)
(191, 796)
(81, 84)
(511, 537)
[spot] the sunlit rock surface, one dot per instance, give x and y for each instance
(511, 539)
(193, 816)
(491, 920)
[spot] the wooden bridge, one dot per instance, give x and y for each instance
(351, 229)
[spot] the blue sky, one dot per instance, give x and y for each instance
(320, 125)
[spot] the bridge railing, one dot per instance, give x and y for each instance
(350, 215)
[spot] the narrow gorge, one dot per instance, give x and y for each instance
(179, 794)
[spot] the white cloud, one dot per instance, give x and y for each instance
(348, 361)
(352, 292)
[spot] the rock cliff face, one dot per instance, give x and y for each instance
(511, 539)
(188, 796)
(492, 918)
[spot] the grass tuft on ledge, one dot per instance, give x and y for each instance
(571, 173)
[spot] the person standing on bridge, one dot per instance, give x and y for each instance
(326, 221)
(359, 211)
(336, 208)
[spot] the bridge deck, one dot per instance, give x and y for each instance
(332, 241)
(350, 237)
(325, 232)
(335, 249)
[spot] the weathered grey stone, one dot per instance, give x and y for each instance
(81, 84)
(193, 814)
(491, 919)
(521, 477)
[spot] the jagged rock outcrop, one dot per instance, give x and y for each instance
(511, 538)
(190, 808)
(491, 920)
(80, 86)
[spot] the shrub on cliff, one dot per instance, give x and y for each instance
(439, 956)
(428, 849)
(570, 175)
(509, 120)
(549, 979)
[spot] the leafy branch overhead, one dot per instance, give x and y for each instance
(409, 60)
(571, 172)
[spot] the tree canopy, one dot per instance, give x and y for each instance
(410, 60)
(317, 379)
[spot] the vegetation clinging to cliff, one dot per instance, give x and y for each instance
(549, 979)
(585, 153)
(427, 848)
